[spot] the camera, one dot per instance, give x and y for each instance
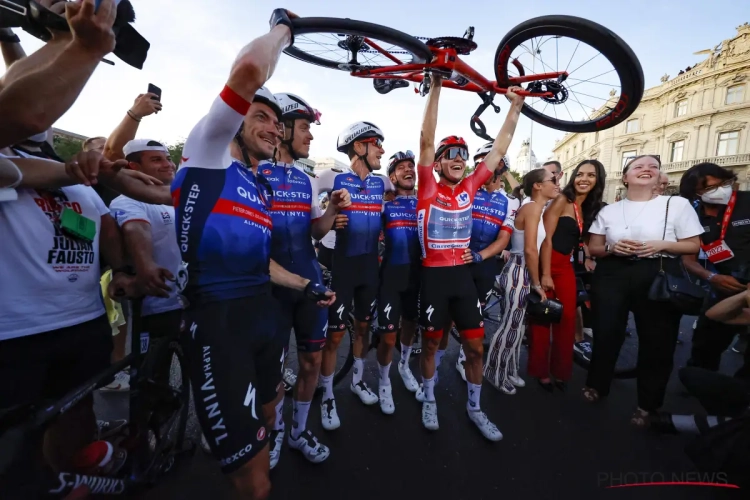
(36, 20)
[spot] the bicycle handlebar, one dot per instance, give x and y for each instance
(476, 124)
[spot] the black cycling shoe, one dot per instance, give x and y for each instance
(547, 386)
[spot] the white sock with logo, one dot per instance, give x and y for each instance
(359, 366)
(428, 385)
(474, 391)
(405, 353)
(438, 357)
(299, 417)
(278, 424)
(385, 379)
(327, 383)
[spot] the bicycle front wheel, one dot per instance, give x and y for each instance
(348, 45)
(604, 82)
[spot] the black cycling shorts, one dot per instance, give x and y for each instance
(484, 273)
(325, 256)
(353, 279)
(46, 366)
(398, 296)
(309, 321)
(235, 361)
(449, 292)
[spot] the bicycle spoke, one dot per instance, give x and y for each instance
(574, 53)
(584, 64)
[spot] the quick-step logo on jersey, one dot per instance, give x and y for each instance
(401, 231)
(488, 212)
(448, 228)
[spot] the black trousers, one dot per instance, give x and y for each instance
(719, 394)
(711, 339)
(619, 286)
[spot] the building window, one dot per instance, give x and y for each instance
(680, 108)
(575, 151)
(583, 145)
(596, 138)
(676, 151)
(567, 155)
(728, 143)
(736, 94)
(627, 156)
(632, 126)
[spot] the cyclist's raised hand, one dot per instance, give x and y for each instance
(92, 30)
(340, 199)
(341, 221)
(86, 166)
(145, 105)
(511, 94)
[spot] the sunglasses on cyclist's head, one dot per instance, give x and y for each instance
(377, 141)
(403, 155)
(452, 153)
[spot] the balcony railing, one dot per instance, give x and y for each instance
(722, 161)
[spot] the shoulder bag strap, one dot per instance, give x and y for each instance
(664, 234)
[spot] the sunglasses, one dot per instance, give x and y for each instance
(374, 140)
(452, 153)
(553, 180)
(728, 182)
(403, 155)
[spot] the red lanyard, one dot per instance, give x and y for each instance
(578, 219)
(727, 215)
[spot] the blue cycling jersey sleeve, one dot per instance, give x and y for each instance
(400, 227)
(222, 212)
(489, 212)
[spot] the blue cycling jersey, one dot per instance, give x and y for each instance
(400, 227)
(488, 214)
(222, 211)
(360, 235)
(292, 211)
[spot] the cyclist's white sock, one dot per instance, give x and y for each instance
(327, 383)
(359, 366)
(405, 353)
(278, 424)
(429, 388)
(385, 379)
(439, 357)
(474, 391)
(299, 417)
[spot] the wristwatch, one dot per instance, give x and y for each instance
(608, 248)
(710, 276)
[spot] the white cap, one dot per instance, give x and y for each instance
(138, 145)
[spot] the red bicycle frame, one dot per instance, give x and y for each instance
(447, 60)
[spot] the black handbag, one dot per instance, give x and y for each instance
(680, 291)
(548, 311)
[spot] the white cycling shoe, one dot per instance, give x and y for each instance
(517, 381)
(487, 428)
(312, 449)
(364, 392)
(460, 362)
(407, 376)
(429, 416)
(420, 394)
(387, 405)
(276, 441)
(329, 417)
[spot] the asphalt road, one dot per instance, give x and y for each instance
(554, 446)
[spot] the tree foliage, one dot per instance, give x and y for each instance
(175, 151)
(66, 148)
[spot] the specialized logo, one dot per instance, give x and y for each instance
(387, 311)
(340, 310)
(250, 400)
(429, 312)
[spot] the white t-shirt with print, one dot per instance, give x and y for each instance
(164, 240)
(645, 220)
(48, 280)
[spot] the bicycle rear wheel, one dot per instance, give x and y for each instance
(589, 104)
(348, 45)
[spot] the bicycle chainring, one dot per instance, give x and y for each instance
(553, 86)
(462, 46)
(353, 44)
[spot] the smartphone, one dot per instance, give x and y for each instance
(153, 89)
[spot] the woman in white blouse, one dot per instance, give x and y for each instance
(519, 277)
(626, 238)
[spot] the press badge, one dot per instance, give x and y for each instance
(718, 251)
(77, 226)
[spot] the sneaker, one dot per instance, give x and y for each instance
(108, 428)
(120, 383)
(584, 349)
(386, 400)
(420, 394)
(487, 428)
(328, 415)
(289, 378)
(364, 392)
(311, 448)
(517, 381)
(588, 332)
(429, 416)
(276, 439)
(408, 377)
(507, 388)
(460, 362)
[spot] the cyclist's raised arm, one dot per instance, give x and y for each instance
(427, 135)
(505, 136)
(209, 140)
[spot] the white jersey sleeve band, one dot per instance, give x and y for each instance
(126, 210)
(10, 174)
(208, 142)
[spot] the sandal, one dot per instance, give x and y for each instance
(591, 395)
(640, 418)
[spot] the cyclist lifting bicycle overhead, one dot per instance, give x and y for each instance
(444, 224)
(224, 231)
